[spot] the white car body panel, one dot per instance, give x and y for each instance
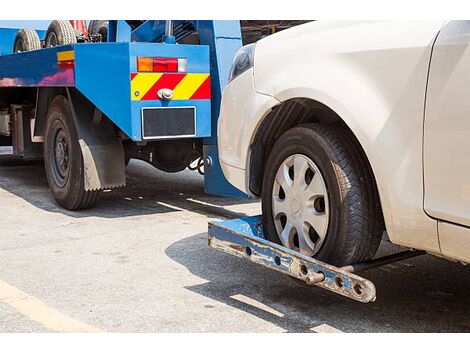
(447, 126)
(454, 241)
(250, 107)
(374, 76)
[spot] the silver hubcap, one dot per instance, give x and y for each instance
(300, 205)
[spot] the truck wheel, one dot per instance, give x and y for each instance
(99, 27)
(60, 33)
(319, 196)
(63, 159)
(26, 39)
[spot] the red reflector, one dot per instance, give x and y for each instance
(66, 64)
(165, 64)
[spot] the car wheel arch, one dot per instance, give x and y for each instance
(284, 116)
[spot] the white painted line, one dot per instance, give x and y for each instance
(38, 311)
(325, 328)
(174, 207)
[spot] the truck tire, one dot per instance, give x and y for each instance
(329, 208)
(63, 159)
(26, 39)
(60, 33)
(99, 27)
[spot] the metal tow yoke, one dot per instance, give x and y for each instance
(244, 238)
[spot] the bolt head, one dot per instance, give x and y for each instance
(165, 94)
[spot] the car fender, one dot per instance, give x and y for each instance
(373, 76)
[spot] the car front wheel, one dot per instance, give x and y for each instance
(319, 196)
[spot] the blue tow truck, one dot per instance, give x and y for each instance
(88, 102)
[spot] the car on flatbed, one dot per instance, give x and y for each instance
(349, 129)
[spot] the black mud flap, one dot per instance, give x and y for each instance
(102, 149)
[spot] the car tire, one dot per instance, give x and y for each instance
(26, 39)
(63, 159)
(60, 33)
(353, 214)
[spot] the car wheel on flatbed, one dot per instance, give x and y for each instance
(26, 39)
(63, 159)
(60, 33)
(319, 196)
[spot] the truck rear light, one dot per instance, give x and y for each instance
(182, 65)
(145, 64)
(161, 64)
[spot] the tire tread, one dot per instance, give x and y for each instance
(30, 39)
(64, 32)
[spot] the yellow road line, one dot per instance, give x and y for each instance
(38, 311)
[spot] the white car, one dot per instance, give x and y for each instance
(347, 129)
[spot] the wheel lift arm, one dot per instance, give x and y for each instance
(244, 238)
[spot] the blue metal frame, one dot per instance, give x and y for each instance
(96, 63)
(224, 39)
(38, 68)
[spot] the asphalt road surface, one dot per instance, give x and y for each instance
(139, 262)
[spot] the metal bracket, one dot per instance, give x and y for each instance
(244, 238)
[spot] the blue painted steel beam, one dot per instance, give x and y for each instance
(39, 68)
(119, 31)
(224, 38)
